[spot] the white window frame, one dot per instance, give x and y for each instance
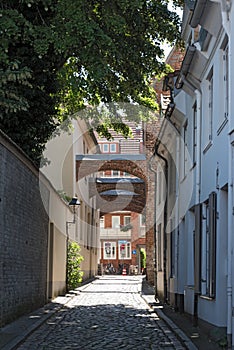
(111, 247)
(127, 220)
(195, 133)
(102, 222)
(211, 102)
(226, 81)
(160, 184)
(208, 247)
(185, 139)
(115, 224)
(113, 148)
(159, 246)
(107, 148)
(126, 253)
(142, 219)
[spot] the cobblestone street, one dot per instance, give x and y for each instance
(108, 313)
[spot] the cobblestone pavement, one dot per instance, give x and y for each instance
(108, 313)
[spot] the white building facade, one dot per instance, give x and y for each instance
(62, 173)
(195, 225)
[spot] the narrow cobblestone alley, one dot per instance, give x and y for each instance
(108, 313)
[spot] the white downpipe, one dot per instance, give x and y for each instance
(176, 225)
(230, 325)
(198, 141)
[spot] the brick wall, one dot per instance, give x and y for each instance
(23, 235)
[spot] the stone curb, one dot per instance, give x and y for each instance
(180, 334)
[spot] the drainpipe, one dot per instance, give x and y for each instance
(230, 333)
(230, 325)
(164, 225)
(198, 188)
(198, 141)
(155, 229)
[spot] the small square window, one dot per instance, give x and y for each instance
(113, 147)
(105, 148)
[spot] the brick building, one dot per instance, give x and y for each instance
(122, 232)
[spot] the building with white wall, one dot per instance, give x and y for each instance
(196, 150)
(61, 152)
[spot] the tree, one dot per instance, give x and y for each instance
(58, 56)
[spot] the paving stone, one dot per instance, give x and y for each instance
(108, 314)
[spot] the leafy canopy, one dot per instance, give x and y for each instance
(58, 56)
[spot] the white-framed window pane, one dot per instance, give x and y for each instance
(126, 174)
(105, 148)
(102, 222)
(194, 133)
(142, 219)
(115, 172)
(115, 221)
(127, 220)
(124, 250)
(113, 147)
(109, 250)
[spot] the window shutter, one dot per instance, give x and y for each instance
(197, 249)
(212, 242)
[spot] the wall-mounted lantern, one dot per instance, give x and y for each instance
(74, 204)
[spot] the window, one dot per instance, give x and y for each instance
(142, 219)
(102, 222)
(127, 220)
(159, 247)
(159, 187)
(115, 221)
(172, 251)
(113, 147)
(185, 135)
(109, 250)
(210, 105)
(194, 133)
(223, 105)
(124, 250)
(126, 174)
(115, 173)
(226, 82)
(105, 147)
(208, 247)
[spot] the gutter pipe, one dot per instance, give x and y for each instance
(155, 229)
(156, 152)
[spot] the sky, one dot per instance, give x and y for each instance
(167, 48)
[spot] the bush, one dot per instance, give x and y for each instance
(74, 258)
(143, 258)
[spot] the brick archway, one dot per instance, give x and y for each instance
(90, 164)
(106, 201)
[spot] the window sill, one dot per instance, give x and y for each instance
(207, 147)
(183, 179)
(206, 297)
(193, 166)
(222, 126)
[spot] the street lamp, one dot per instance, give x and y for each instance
(74, 203)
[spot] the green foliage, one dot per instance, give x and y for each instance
(74, 273)
(125, 228)
(57, 57)
(143, 258)
(64, 195)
